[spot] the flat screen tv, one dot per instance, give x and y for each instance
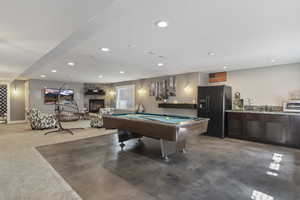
(50, 96)
(66, 96)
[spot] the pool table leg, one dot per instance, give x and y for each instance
(183, 151)
(167, 148)
(122, 145)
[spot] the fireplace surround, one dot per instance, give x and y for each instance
(95, 105)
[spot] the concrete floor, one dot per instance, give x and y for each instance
(212, 169)
(24, 173)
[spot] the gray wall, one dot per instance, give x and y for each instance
(17, 100)
(36, 94)
(268, 85)
(182, 96)
(88, 97)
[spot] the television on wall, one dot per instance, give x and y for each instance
(66, 96)
(51, 96)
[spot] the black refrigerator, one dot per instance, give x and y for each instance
(212, 103)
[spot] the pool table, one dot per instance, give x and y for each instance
(171, 130)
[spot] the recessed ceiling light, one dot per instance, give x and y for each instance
(105, 49)
(211, 53)
(151, 53)
(100, 76)
(225, 67)
(161, 24)
(43, 76)
(160, 64)
(122, 72)
(53, 70)
(131, 46)
(71, 63)
(272, 61)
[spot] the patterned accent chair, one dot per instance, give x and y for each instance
(41, 121)
(96, 120)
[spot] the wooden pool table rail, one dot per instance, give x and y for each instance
(172, 136)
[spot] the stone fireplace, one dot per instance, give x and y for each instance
(95, 105)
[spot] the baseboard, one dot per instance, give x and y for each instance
(17, 122)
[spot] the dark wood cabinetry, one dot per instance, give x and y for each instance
(254, 126)
(276, 128)
(178, 105)
(235, 125)
(267, 128)
(293, 137)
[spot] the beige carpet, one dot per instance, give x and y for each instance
(24, 174)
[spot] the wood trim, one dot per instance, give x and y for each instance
(177, 105)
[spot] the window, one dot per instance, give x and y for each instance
(125, 97)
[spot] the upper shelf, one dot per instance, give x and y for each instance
(178, 105)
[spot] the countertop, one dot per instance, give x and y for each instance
(263, 112)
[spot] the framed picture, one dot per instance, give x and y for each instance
(163, 88)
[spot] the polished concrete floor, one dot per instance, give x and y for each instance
(212, 169)
(24, 173)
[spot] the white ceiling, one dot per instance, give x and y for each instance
(30, 29)
(244, 34)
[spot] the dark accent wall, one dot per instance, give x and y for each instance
(3, 99)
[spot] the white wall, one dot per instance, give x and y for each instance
(268, 85)
(36, 94)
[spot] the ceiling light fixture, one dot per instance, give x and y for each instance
(122, 72)
(53, 70)
(162, 24)
(160, 64)
(43, 76)
(151, 53)
(225, 67)
(105, 49)
(273, 61)
(131, 46)
(71, 63)
(211, 53)
(100, 76)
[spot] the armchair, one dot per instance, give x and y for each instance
(40, 121)
(96, 120)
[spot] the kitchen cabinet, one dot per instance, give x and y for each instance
(254, 126)
(293, 138)
(235, 125)
(276, 128)
(267, 128)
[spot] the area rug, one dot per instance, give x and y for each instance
(96, 168)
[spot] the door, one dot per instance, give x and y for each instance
(235, 125)
(293, 138)
(254, 127)
(211, 105)
(276, 128)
